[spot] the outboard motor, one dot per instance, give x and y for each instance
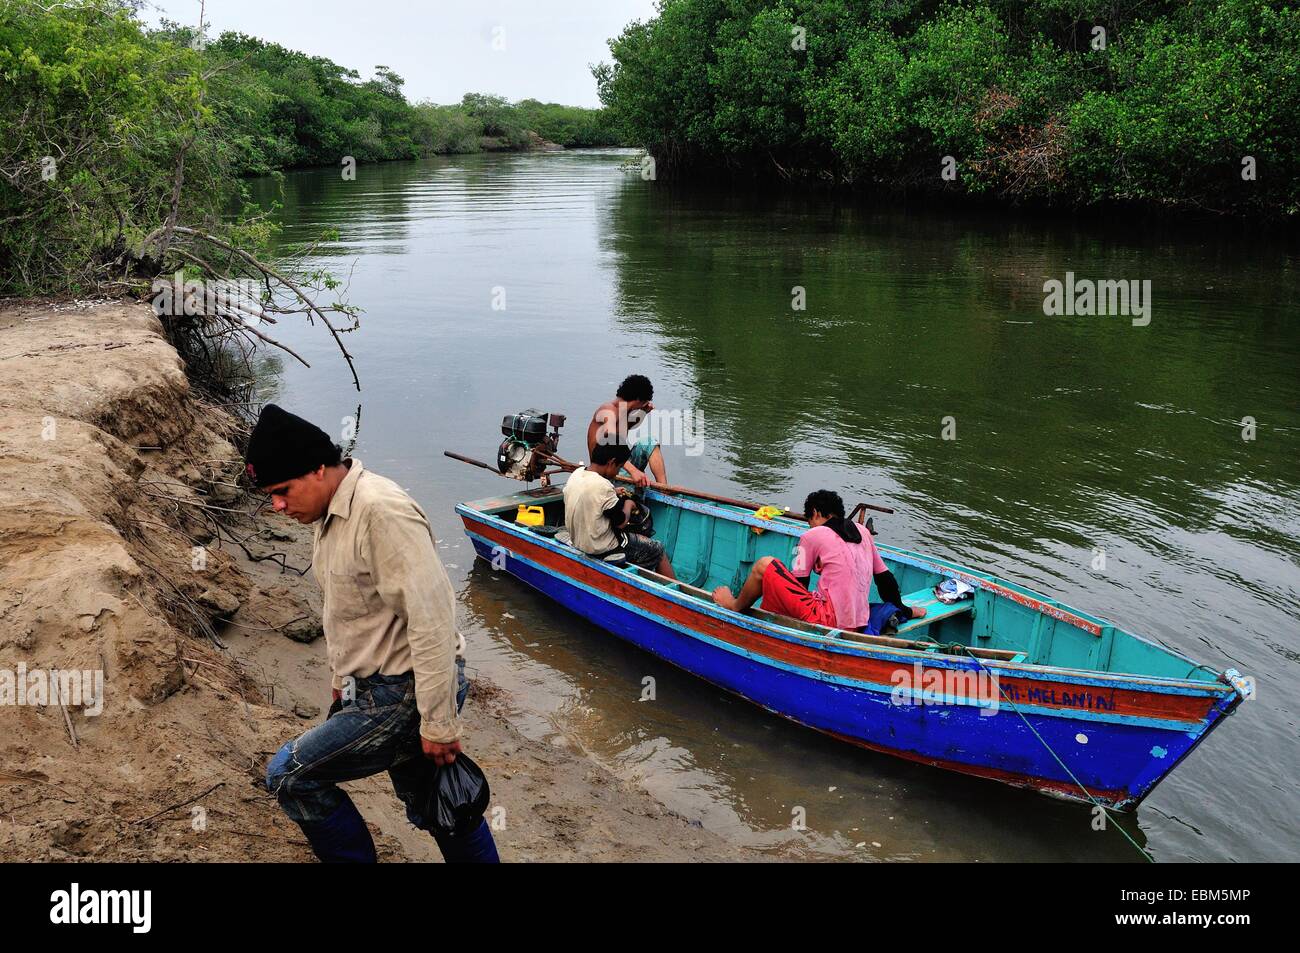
(526, 433)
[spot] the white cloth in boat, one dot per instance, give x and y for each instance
(389, 606)
(587, 496)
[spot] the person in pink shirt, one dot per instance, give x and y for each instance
(845, 558)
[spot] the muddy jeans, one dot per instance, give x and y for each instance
(377, 730)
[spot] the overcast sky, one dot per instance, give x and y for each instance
(442, 48)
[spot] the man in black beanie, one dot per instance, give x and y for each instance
(390, 630)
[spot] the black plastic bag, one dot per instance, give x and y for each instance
(458, 796)
(641, 522)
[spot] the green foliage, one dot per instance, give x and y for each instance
(858, 108)
(95, 116)
(952, 62)
(445, 130)
(123, 115)
(658, 84)
(288, 109)
(570, 126)
(752, 82)
(308, 110)
(509, 124)
(1190, 104)
(498, 119)
(1019, 93)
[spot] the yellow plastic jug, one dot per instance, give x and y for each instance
(530, 516)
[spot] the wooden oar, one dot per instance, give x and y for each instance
(687, 491)
(472, 462)
(562, 465)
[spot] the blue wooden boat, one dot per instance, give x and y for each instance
(1009, 685)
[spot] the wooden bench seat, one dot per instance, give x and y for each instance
(935, 611)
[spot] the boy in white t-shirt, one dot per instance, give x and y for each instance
(595, 515)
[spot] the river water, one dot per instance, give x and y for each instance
(1103, 463)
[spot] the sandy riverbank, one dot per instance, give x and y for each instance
(127, 548)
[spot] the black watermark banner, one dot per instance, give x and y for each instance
(132, 904)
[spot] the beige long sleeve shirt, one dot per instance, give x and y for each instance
(389, 606)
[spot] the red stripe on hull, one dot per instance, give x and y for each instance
(1119, 701)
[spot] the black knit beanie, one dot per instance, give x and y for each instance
(284, 447)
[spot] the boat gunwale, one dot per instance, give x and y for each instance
(480, 510)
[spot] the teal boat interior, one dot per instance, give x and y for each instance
(715, 544)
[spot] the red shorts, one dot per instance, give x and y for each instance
(786, 595)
